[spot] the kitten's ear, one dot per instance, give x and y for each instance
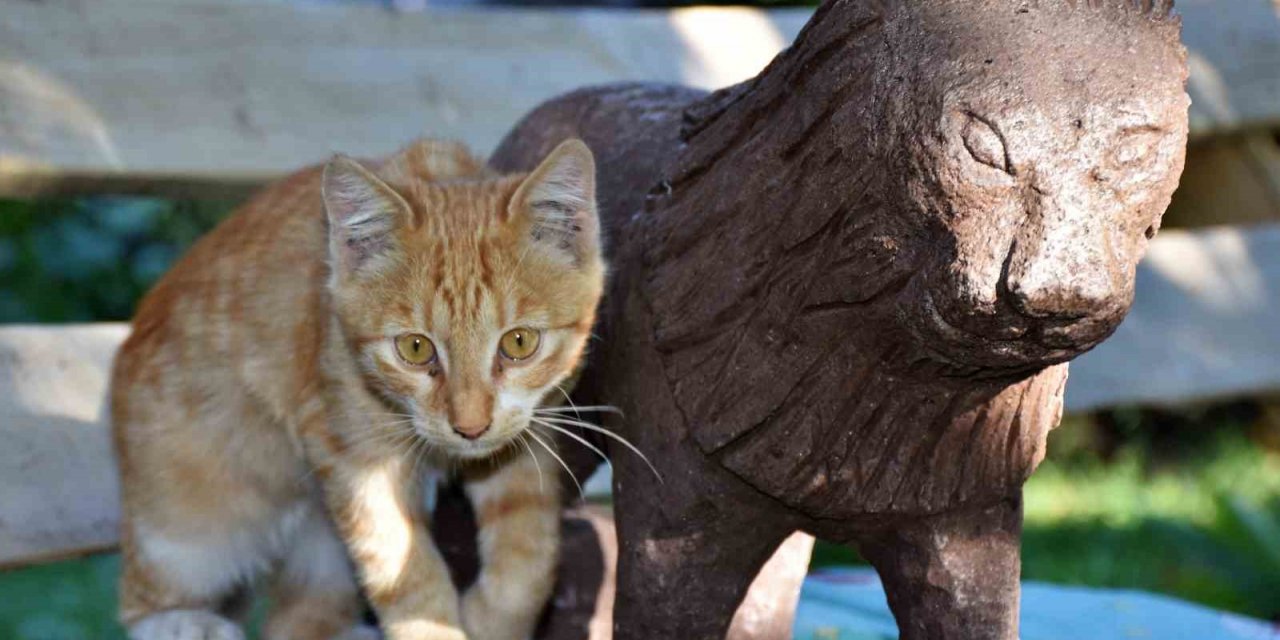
(364, 214)
(558, 201)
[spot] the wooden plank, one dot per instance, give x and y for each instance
(163, 97)
(199, 90)
(1205, 324)
(58, 490)
(1234, 56)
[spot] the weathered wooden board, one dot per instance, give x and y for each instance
(185, 98)
(58, 490)
(208, 89)
(1205, 324)
(1234, 55)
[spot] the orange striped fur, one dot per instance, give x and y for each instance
(272, 416)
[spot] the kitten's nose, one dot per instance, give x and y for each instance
(470, 411)
(470, 431)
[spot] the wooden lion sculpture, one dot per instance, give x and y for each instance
(845, 291)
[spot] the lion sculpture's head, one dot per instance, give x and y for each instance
(1042, 146)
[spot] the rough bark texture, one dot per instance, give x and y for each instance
(844, 292)
(953, 575)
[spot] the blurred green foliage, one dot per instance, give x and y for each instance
(1195, 530)
(1202, 524)
(1181, 502)
(92, 258)
(72, 600)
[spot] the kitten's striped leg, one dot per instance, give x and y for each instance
(375, 509)
(314, 595)
(171, 588)
(517, 511)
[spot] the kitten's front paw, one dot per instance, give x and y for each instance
(185, 624)
(483, 621)
(423, 630)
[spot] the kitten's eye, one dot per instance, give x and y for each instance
(415, 349)
(984, 144)
(518, 344)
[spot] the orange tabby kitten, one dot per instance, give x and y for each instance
(289, 381)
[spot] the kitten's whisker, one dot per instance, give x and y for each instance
(536, 464)
(581, 494)
(421, 447)
(395, 439)
(373, 435)
(386, 437)
(605, 432)
(579, 438)
(383, 429)
(394, 418)
(415, 460)
(566, 396)
(388, 443)
(572, 406)
(594, 408)
(391, 423)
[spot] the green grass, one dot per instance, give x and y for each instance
(72, 600)
(1206, 529)
(1184, 531)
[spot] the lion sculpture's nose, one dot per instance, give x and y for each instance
(1061, 269)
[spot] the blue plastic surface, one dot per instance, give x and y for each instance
(849, 604)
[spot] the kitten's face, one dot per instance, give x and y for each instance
(467, 300)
